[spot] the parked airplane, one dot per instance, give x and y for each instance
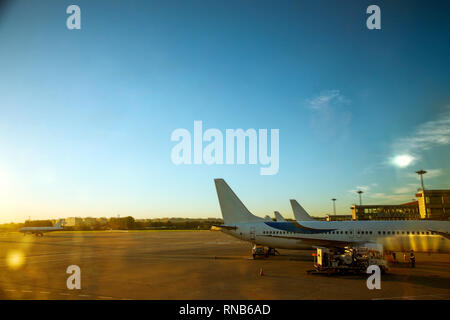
(392, 235)
(300, 214)
(268, 218)
(39, 231)
(279, 217)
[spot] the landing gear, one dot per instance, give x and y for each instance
(272, 251)
(258, 251)
(38, 234)
(391, 256)
(261, 251)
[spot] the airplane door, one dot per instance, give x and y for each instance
(252, 233)
(352, 233)
(356, 233)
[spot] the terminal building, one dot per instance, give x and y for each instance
(406, 211)
(337, 217)
(434, 204)
(431, 205)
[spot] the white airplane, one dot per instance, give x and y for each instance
(300, 214)
(268, 218)
(39, 231)
(279, 217)
(392, 235)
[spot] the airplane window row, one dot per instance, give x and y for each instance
(383, 232)
(407, 232)
(361, 232)
(342, 232)
(277, 232)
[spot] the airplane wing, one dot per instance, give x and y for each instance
(444, 234)
(227, 227)
(320, 242)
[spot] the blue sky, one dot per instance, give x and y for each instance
(87, 115)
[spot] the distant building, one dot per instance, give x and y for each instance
(102, 220)
(406, 211)
(434, 204)
(73, 222)
(337, 217)
(431, 205)
(89, 221)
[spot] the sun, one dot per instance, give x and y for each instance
(403, 160)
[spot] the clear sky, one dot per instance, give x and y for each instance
(86, 115)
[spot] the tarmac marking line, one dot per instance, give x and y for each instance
(409, 297)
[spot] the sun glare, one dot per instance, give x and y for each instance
(402, 161)
(15, 259)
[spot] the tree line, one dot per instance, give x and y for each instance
(123, 223)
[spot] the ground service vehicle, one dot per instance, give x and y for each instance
(347, 260)
(259, 251)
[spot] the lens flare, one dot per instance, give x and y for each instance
(403, 160)
(15, 259)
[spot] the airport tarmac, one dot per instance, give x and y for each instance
(191, 265)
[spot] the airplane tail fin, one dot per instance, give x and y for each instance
(279, 217)
(58, 224)
(300, 214)
(233, 210)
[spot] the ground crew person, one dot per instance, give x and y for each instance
(412, 259)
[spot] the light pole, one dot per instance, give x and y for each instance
(360, 201)
(334, 205)
(421, 172)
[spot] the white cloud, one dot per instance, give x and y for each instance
(402, 194)
(431, 173)
(329, 115)
(362, 188)
(385, 198)
(428, 135)
(326, 99)
(408, 189)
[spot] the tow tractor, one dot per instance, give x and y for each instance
(261, 251)
(353, 260)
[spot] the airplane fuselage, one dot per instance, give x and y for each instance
(400, 236)
(39, 230)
